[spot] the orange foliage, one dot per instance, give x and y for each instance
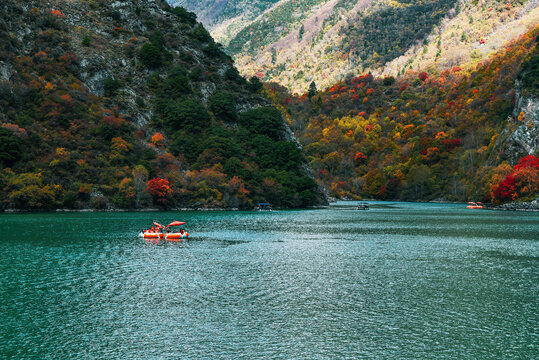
(158, 139)
(58, 13)
(119, 146)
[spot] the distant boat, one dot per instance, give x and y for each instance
(263, 207)
(475, 205)
(363, 206)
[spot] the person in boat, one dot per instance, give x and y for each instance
(184, 233)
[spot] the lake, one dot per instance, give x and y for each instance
(398, 281)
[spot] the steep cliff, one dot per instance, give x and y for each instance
(523, 131)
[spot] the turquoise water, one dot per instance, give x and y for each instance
(400, 281)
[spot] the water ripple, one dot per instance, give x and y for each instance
(406, 281)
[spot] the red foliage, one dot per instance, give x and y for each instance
(360, 156)
(112, 120)
(528, 161)
(404, 86)
(160, 190)
(523, 180)
(450, 144)
(506, 190)
(423, 76)
(332, 89)
(361, 113)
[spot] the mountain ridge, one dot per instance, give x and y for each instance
(347, 37)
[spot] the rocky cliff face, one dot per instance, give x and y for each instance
(116, 31)
(523, 136)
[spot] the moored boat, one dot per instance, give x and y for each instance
(263, 207)
(363, 206)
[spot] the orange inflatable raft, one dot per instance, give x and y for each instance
(475, 205)
(160, 232)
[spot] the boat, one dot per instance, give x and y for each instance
(168, 233)
(363, 206)
(263, 207)
(475, 205)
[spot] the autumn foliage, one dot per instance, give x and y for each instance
(522, 182)
(423, 136)
(160, 190)
(158, 141)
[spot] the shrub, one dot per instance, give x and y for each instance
(86, 40)
(266, 121)
(185, 15)
(150, 56)
(11, 149)
(188, 115)
(201, 34)
(177, 83)
(223, 105)
(111, 85)
(388, 81)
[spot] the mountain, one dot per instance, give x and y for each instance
(296, 42)
(225, 18)
(131, 104)
(463, 134)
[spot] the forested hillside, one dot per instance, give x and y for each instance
(467, 133)
(296, 42)
(225, 18)
(131, 104)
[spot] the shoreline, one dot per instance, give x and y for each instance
(525, 207)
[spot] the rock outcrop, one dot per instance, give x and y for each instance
(524, 139)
